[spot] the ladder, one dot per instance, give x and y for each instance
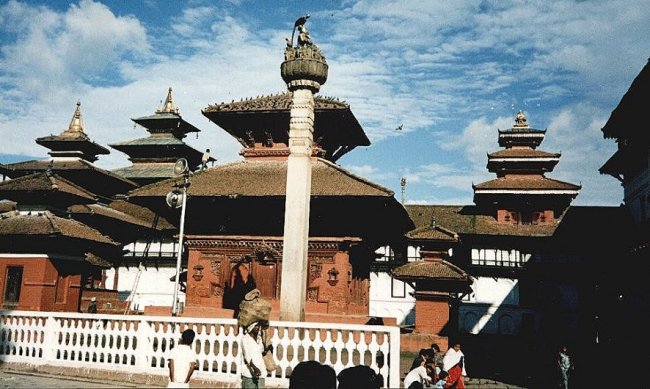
(145, 255)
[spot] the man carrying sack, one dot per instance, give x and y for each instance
(255, 310)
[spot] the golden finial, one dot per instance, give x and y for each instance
(168, 106)
(520, 120)
(76, 124)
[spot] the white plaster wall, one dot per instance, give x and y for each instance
(154, 286)
(382, 304)
(492, 307)
(489, 290)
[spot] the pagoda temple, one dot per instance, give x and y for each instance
(521, 194)
(153, 157)
(61, 232)
(72, 156)
(235, 212)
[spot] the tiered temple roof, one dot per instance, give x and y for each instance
(261, 125)
(153, 157)
(72, 159)
(521, 186)
(73, 142)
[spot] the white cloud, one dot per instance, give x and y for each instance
(451, 72)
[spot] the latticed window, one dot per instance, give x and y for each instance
(499, 257)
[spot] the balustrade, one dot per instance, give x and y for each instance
(140, 344)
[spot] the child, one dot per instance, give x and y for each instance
(442, 380)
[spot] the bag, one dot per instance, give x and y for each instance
(269, 362)
(253, 308)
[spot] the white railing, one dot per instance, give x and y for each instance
(140, 344)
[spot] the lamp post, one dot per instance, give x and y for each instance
(178, 198)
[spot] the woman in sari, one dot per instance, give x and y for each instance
(454, 364)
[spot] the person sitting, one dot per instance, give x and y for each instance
(425, 354)
(442, 380)
(420, 376)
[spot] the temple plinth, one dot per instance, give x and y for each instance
(304, 70)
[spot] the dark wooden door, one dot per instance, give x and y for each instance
(266, 278)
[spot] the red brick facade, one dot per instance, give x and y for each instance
(45, 285)
(431, 312)
(332, 293)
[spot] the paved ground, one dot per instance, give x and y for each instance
(14, 379)
(30, 380)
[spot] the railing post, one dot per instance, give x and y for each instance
(143, 346)
(50, 339)
(394, 364)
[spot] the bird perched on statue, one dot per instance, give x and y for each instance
(301, 20)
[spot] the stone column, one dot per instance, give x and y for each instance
(304, 70)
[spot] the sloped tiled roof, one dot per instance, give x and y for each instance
(628, 118)
(437, 269)
(335, 125)
(96, 260)
(584, 222)
(6, 206)
(149, 170)
(59, 164)
(268, 178)
(524, 183)
(47, 224)
(466, 219)
(150, 141)
(274, 102)
(141, 213)
(433, 233)
(101, 210)
(523, 153)
(43, 182)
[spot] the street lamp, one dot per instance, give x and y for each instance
(178, 198)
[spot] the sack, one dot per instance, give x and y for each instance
(253, 308)
(269, 362)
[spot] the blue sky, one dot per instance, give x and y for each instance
(451, 72)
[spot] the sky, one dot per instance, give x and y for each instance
(449, 73)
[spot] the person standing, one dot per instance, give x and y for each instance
(182, 361)
(92, 307)
(205, 159)
(253, 367)
(454, 364)
(241, 282)
(563, 365)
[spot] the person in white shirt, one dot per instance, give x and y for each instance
(420, 376)
(454, 364)
(182, 361)
(253, 367)
(205, 159)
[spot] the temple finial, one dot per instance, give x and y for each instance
(520, 120)
(76, 124)
(168, 106)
